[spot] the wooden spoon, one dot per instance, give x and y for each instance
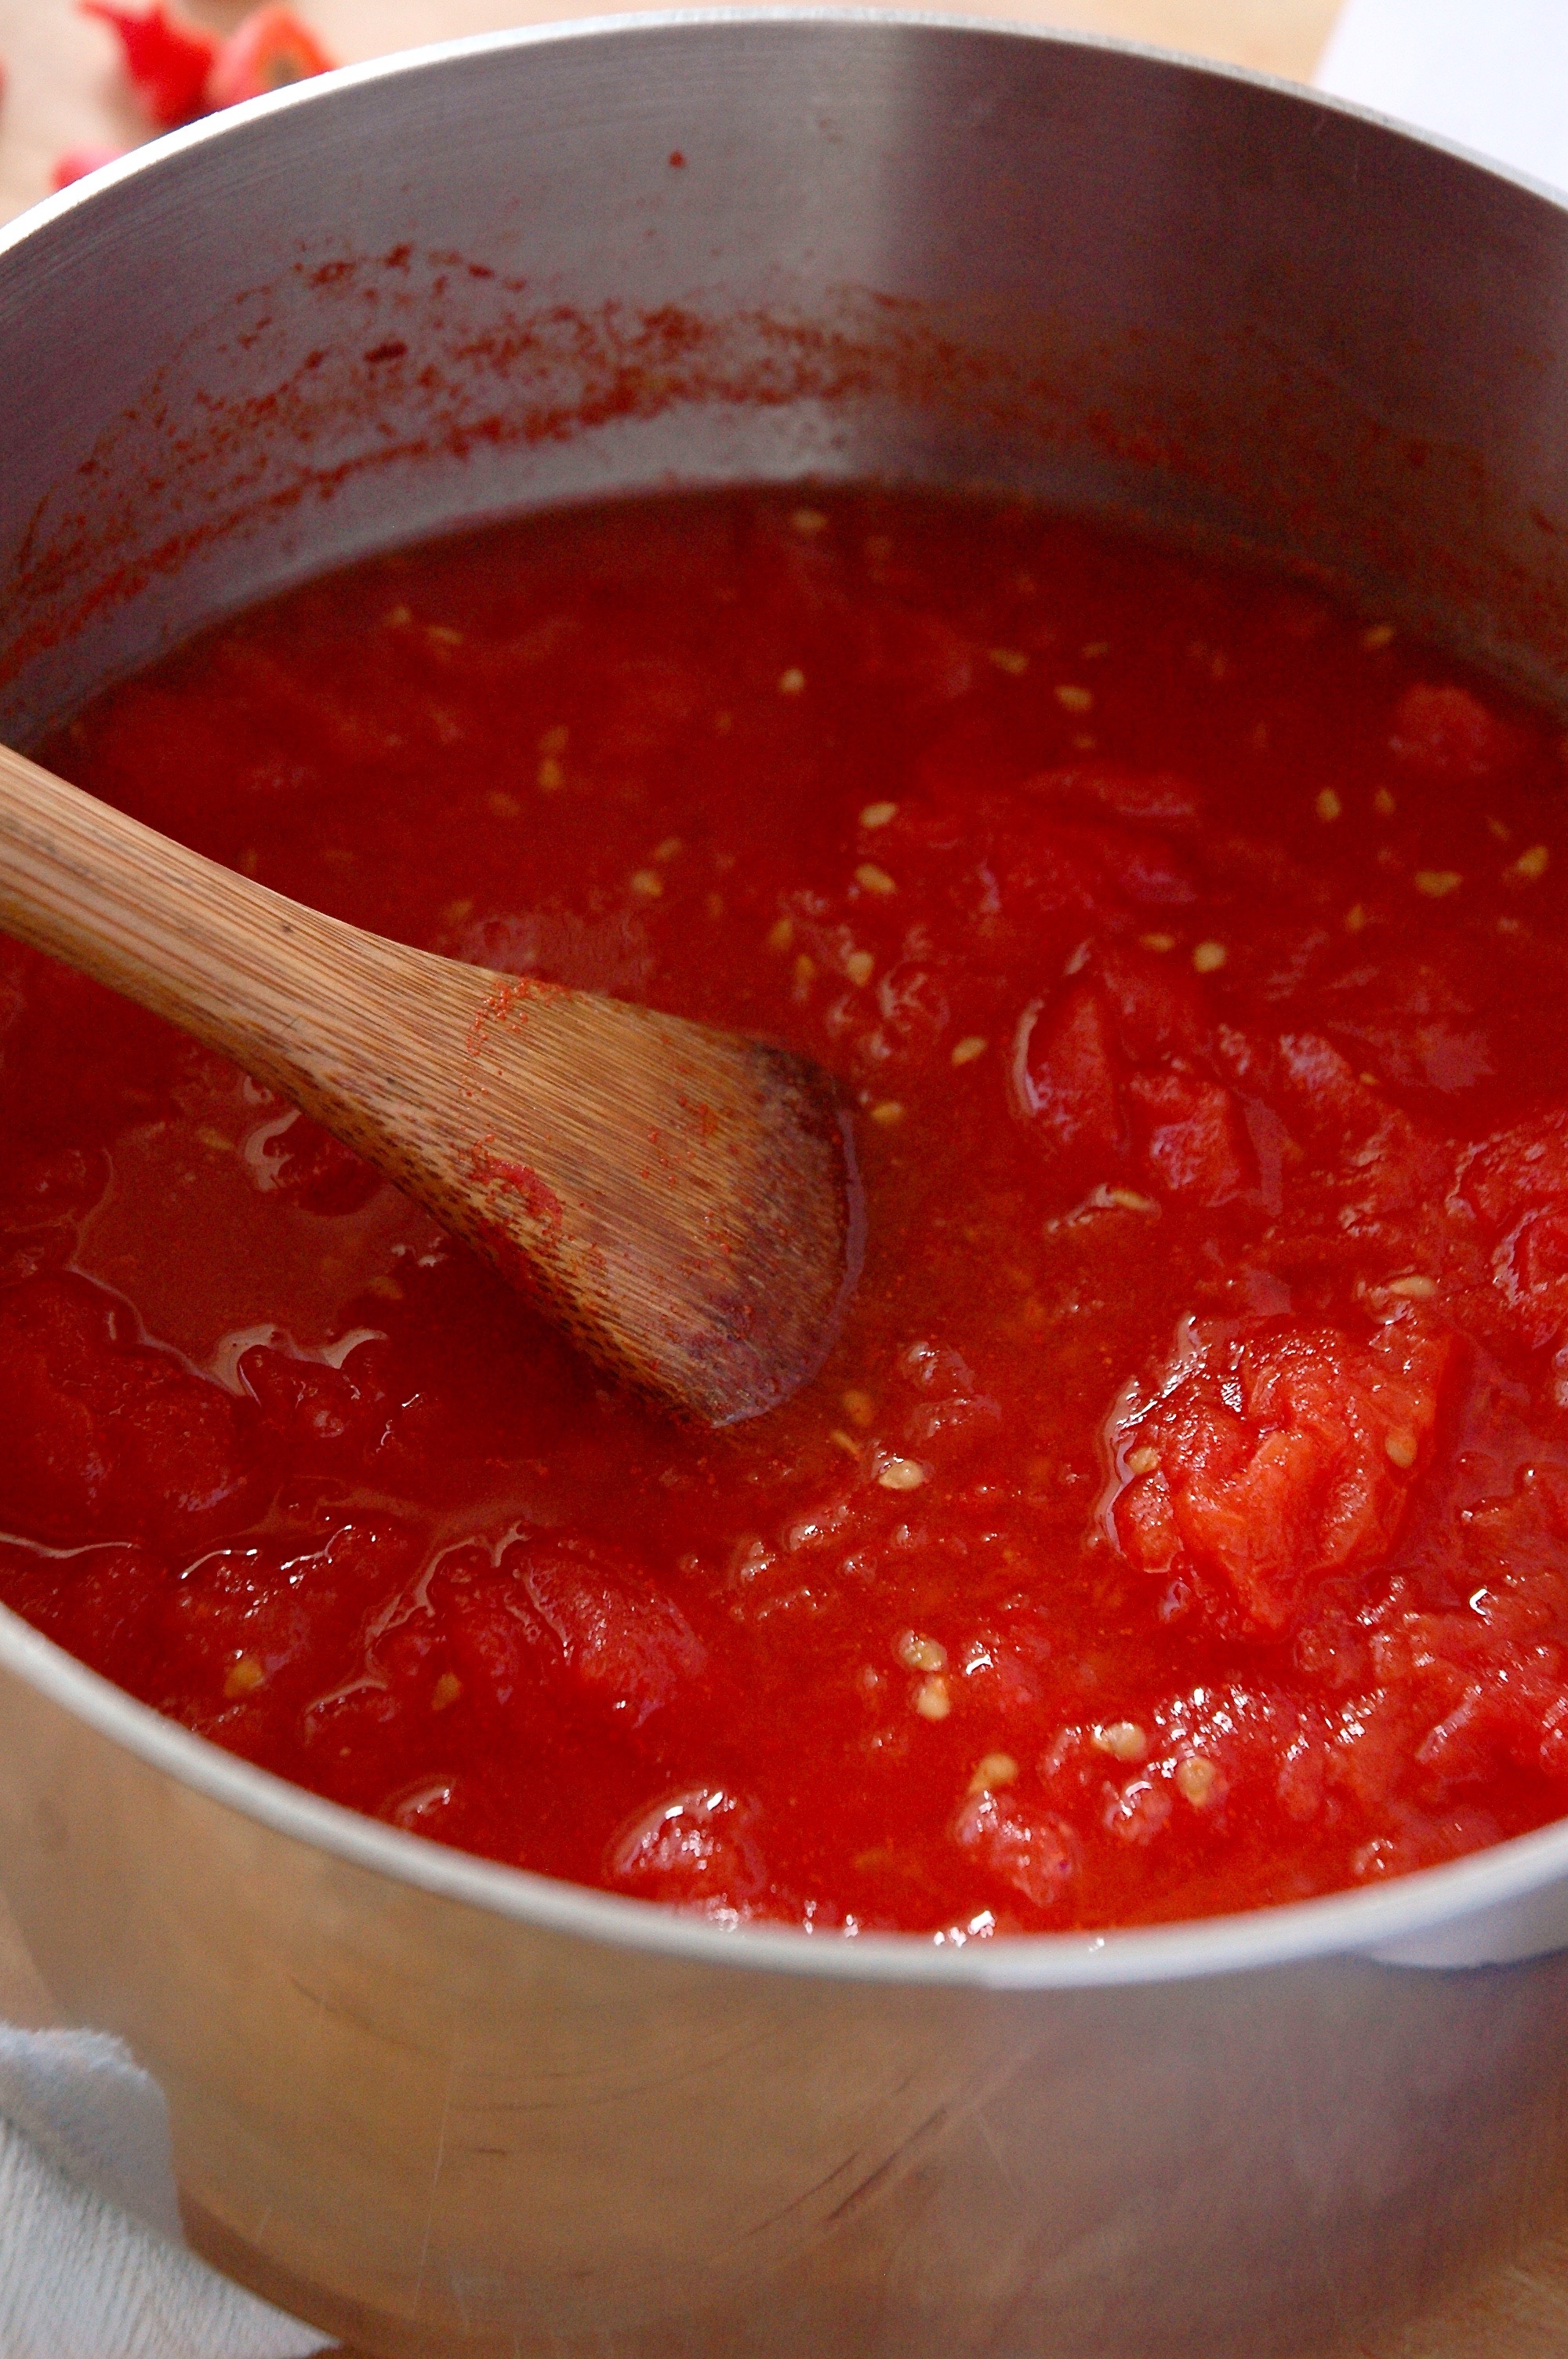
(683, 1201)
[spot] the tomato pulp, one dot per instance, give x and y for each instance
(1180, 1523)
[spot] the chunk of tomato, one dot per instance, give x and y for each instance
(1273, 1457)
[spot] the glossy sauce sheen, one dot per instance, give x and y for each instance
(1180, 1524)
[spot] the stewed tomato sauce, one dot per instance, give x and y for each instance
(1181, 1523)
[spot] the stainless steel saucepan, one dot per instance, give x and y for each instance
(439, 2105)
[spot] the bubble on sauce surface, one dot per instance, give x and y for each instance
(698, 1850)
(1030, 1850)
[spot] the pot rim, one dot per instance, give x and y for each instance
(425, 56)
(1360, 1921)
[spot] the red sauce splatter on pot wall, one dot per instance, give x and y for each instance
(1180, 1524)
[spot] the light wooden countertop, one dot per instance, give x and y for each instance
(61, 88)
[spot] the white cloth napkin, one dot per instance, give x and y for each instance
(93, 2265)
(1492, 74)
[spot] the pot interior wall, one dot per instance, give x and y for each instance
(595, 262)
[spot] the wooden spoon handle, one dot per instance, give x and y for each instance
(245, 970)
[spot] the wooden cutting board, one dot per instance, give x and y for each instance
(62, 89)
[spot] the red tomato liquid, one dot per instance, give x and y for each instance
(1179, 1524)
